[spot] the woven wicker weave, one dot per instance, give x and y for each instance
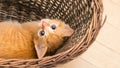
(84, 16)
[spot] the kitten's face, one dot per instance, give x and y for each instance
(52, 31)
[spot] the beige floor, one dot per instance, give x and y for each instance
(105, 51)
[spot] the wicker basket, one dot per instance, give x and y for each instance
(84, 16)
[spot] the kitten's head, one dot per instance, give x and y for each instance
(52, 32)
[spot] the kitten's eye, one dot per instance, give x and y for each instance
(53, 27)
(42, 32)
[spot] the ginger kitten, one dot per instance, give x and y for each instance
(31, 39)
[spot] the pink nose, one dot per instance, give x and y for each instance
(44, 23)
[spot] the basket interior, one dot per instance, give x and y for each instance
(76, 13)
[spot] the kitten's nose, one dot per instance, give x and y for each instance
(44, 23)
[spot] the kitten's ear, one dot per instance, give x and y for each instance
(41, 49)
(68, 31)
